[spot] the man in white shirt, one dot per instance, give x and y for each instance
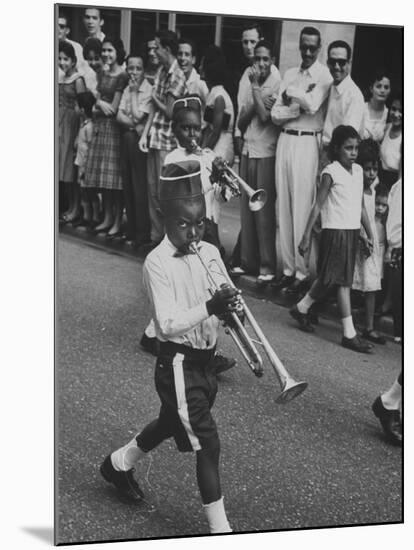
(300, 111)
(94, 22)
(257, 167)
(346, 102)
(186, 58)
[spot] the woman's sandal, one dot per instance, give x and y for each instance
(376, 338)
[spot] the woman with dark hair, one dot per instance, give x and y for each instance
(219, 112)
(391, 144)
(71, 83)
(92, 54)
(103, 167)
(376, 112)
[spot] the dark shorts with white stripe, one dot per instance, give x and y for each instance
(186, 383)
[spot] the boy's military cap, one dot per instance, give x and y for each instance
(180, 180)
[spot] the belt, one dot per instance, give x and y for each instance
(202, 355)
(293, 132)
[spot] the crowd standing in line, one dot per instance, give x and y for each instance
(327, 159)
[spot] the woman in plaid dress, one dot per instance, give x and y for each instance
(103, 169)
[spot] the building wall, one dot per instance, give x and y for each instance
(289, 47)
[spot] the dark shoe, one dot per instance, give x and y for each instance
(372, 337)
(283, 282)
(298, 286)
(149, 344)
(313, 316)
(302, 319)
(123, 481)
(355, 344)
(221, 363)
(390, 421)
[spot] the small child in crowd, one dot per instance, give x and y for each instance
(369, 266)
(186, 326)
(340, 202)
(89, 197)
(392, 143)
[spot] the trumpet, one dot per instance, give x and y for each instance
(227, 176)
(289, 387)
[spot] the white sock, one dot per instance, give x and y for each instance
(150, 330)
(127, 456)
(304, 305)
(391, 399)
(216, 517)
(348, 327)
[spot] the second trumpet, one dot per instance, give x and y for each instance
(222, 173)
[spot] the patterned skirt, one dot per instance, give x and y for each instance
(103, 166)
(336, 258)
(68, 130)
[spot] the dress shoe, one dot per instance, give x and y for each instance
(237, 271)
(123, 481)
(390, 421)
(302, 319)
(356, 344)
(283, 282)
(221, 363)
(298, 286)
(149, 344)
(265, 279)
(372, 337)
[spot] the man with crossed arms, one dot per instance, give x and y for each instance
(300, 110)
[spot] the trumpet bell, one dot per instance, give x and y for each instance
(291, 390)
(257, 200)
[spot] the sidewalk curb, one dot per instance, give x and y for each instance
(245, 283)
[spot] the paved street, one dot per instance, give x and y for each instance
(320, 460)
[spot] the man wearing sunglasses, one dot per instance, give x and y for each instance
(300, 111)
(63, 32)
(346, 102)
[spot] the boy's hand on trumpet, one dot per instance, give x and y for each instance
(223, 301)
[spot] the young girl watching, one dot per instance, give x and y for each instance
(70, 85)
(92, 55)
(391, 144)
(103, 166)
(339, 201)
(89, 197)
(369, 267)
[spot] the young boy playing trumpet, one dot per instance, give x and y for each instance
(185, 317)
(186, 125)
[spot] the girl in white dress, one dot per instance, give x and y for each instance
(368, 266)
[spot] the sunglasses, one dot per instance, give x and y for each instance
(61, 26)
(341, 62)
(312, 49)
